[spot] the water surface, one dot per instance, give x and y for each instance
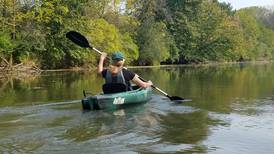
(231, 112)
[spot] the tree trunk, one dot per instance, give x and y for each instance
(10, 63)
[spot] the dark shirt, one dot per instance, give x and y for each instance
(128, 75)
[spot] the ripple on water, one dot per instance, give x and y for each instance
(48, 129)
(163, 106)
(170, 148)
(244, 131)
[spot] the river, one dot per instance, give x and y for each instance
(232, 111)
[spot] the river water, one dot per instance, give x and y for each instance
(232, 111)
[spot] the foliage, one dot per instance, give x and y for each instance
(218, 37)
(155, 42)
(260, 38)
(106, 37)
(6, 45)
(149, 32)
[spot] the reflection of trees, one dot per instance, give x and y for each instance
(13, 84)
(69, 85)
(211, 87)
(189, 128)
(3, 85)
(214, 87)
(47, 87)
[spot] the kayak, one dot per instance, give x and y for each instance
(117, 100)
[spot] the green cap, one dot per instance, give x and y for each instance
(117, 56)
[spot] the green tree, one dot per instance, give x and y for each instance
(205, 31)
(228, 8)
(181, 24)
(51, 20)
(107, 38)
(11, 18)
(6, 46)
(149, 32)
(257, 33)
(218, 35)
(154, 41)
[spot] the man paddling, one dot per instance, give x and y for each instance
(116, 73)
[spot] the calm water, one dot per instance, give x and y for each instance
(232, 112)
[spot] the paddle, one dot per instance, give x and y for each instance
(80, 40)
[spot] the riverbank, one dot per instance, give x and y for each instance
(162, 66)
(76, 69)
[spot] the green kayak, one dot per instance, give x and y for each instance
(116, 100)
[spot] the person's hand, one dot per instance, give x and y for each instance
(149, 83)
(103, 55)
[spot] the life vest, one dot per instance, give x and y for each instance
(119, 78)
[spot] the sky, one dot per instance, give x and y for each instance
(237, 4)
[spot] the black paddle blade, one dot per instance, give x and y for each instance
(178, 99)
(78, 39)
(175, 98)
(182, 101)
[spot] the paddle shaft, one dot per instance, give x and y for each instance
(98, 51)
(95, 50)
(161, 91)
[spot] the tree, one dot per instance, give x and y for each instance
(155, 42)
(107, 38)
(51, 20)
(10, 20)
(257, 33)
(219, 36)
(228, 8)
(181, 24)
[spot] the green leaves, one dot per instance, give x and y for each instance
(6, 45)
(153, 38)
(104, 35)
(154, 43)
(107, 37)
(259, 37)
(147, 32)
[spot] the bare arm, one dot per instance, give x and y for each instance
(141, 83)
(101, 62)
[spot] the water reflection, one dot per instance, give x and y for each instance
(102, 123)
(232, 108)
(49, 87)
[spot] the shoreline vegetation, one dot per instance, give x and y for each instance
(9, 77)
(149, 33)
(35, 70)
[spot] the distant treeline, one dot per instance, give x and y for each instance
(148, 32)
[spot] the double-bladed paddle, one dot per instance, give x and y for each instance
(82, 41)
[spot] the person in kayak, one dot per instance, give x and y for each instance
(116, 73)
